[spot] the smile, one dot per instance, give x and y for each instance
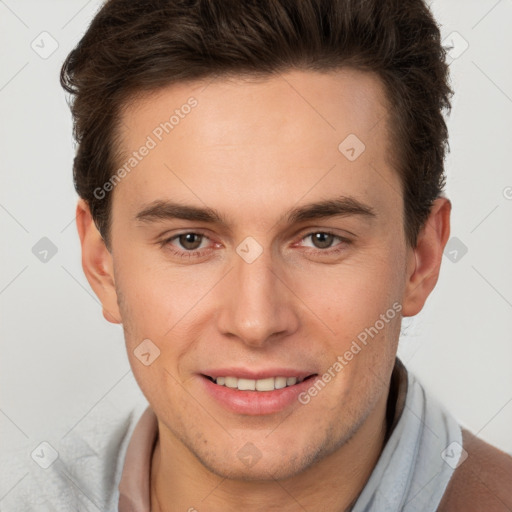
(256, 392)
(267, 384)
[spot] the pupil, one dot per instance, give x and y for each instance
(323, 240)
(190, 241)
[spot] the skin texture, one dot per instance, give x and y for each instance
(253, 150)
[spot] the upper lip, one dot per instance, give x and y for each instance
(244, 373)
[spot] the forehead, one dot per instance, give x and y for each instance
(278, 135)
(335, 101)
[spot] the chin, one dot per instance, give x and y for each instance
(248, 463)
(262, 470)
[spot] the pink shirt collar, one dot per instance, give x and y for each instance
(134, 486)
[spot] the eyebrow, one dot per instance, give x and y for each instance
(164, 210)
(339, 207)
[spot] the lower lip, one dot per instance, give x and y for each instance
(256, 403)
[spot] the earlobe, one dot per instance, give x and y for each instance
(425, 258)
(97, 263)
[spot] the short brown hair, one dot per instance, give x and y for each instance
(134, 46)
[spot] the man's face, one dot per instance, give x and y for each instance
(258, 291)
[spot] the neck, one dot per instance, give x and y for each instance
(180, 482)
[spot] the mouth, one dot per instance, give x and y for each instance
(258, 385)
(256, 392)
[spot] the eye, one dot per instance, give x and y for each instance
(188, 246)
(189, 241)
(322, 239)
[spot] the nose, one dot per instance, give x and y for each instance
(256, 305)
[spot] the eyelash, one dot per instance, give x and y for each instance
(197, 253)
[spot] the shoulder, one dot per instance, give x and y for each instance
(79, 471)
(482, 482)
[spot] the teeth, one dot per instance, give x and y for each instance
(231, 382)
(280, 382)
(268, 384)
(265, 384)
(246, 384)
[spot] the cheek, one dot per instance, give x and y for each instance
(164, 307)
(357, 306)
(352, 295)
(154, 298)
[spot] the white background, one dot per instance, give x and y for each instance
(60, 358)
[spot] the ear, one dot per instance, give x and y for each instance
(97, 263)
(425, 259)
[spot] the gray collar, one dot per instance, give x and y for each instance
(423, 447)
